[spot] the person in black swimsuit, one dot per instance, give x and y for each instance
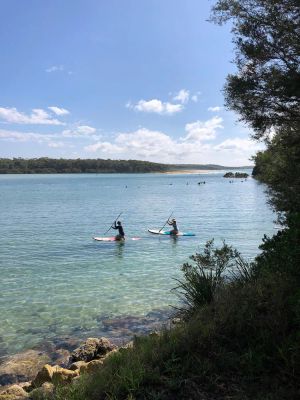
(119, 227)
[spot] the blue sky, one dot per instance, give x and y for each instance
(117, 79)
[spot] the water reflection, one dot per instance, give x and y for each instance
(119, 249)
(174, 240)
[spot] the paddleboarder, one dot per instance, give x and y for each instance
(173, 223)
(118, 226)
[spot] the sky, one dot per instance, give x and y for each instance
(118, 79)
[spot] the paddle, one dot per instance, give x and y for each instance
(113, 223)
(166, 222)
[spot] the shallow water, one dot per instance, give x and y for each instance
(55, 280)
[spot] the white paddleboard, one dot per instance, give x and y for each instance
(113, 239)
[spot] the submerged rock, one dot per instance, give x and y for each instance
(91, 349)
(22, 367)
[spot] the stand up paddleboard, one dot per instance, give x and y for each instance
(158, 232)
(113, 239)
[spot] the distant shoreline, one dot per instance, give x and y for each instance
(46, 165)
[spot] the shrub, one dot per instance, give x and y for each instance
(205, 277)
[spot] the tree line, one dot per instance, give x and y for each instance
(46, 165)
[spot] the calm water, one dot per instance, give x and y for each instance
(55, 280)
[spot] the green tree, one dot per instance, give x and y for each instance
(265, 91)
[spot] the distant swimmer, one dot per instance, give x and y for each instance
(119, 227)
(173, 223)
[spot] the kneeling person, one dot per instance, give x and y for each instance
(173, 223)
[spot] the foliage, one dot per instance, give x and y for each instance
(50, 165)
(281, 253)
(203, 279)
(266, 89)
(279, 167)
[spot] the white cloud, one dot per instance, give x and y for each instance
(237, 151)
(145, 144)
(151, 145)
(59, 111)
(55, 68)
(79, 131)
(214, 109)
(156, 106)
(199, 130)
(104, 147)
(239, 145)
(142, 143)
(195, 97)
(182, 96)
(38, 116)
(16, 136)
(56, 145)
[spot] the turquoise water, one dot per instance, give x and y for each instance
(55, 280)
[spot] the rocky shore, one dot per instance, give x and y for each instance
(87, 358)
(23, 375)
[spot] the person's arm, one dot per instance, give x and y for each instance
(114, 226)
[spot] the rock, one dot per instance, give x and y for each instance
(61, 357)
(14, 392)
(22, 367)
(94, 366)
(45, 391)
(236, 175)
(27, 386)
(105, 346)
(44, 375)
(62, 375)
(55, 375)
(129, 345)
(83, 368)
(91, 349)
(241, 175)
(229, 175)
(77, 365)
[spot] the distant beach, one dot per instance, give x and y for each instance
(191, 171)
